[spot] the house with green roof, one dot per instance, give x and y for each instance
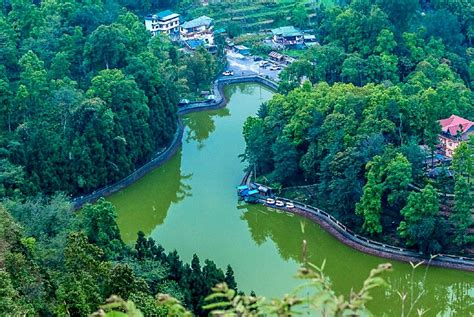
(165, 22)
(287, 35)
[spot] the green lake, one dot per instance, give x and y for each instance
(190, 204)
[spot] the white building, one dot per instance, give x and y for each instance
(165, 22)
(201, 29)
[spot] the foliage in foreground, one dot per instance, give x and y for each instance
(225, 301)
(61, 263)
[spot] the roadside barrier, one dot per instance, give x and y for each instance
(219, 101)
(348, 237)
(157, 160)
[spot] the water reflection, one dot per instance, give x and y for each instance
(263, 246)
(145, 205)
(431, 289)
(441, 291)
(202, 124)
(284, 229)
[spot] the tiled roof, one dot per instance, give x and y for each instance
(455, 124)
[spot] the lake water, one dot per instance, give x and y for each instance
(190, 204)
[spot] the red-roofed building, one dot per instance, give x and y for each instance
(454, 130)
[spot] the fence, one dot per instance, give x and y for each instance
(156, 161)
(219, 101)
(347, 236)
(163, 156)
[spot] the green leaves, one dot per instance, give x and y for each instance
(370, 205)
(98, 222)
(420, 214)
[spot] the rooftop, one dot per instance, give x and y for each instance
(193, 44)
(276, 55)
(220, 31)
(203, 20)
(163, 15)
(287, 31)
(455, 124)
(241, 47)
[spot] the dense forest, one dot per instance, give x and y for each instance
(67, 264)
(385, 72)
(86, 94)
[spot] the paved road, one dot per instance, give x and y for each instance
(245, 65)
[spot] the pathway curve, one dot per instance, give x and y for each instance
(162, 157)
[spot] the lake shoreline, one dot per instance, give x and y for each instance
(365, 245)
(160, 158)
(220, 102)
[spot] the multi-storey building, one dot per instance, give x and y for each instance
(454, 130)
(165, 22)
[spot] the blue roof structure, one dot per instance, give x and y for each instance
(193, 44)
(162, 16)
(220, 31)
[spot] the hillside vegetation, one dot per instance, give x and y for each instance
(384, 74)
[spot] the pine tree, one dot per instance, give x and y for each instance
(229, 278)
(141, 246)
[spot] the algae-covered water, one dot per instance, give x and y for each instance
(190, 204)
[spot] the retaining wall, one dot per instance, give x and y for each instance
(363, 244)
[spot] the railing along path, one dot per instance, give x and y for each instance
(361, 243)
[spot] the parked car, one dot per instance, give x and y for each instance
(228, 73)
(275, 68)
(210, 99)
(257, 58)
(183, 102)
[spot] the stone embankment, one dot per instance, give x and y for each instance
(363, 244)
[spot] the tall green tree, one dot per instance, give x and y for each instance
(461, 216)
(398, 179)
(420, 226)
(98, 222)
(370, 205)
(33, 81)
(106, 48)
(80, 289)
